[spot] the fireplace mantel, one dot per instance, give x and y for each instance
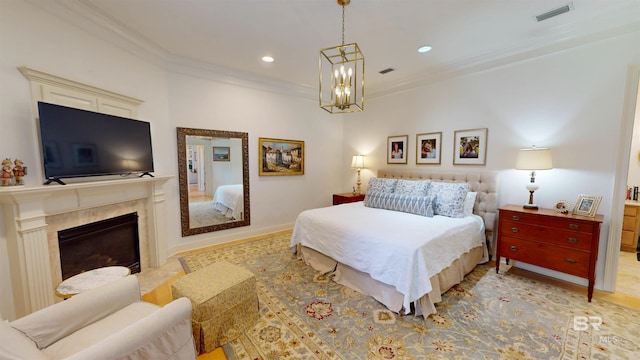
(26, 208)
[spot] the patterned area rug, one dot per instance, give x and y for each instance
(305, 315)
(203, 214)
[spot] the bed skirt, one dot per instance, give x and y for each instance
(387, 294)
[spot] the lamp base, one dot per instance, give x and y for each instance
(530, 206)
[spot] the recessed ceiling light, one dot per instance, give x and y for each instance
(267, 59)
(424, 49)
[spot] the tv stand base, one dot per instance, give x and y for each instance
(50, 180)
(146, 173)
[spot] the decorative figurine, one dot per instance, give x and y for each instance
(19, 171)
(7, 172)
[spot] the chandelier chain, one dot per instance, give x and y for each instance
(342, 25)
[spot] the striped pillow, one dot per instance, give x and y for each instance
(418, 205)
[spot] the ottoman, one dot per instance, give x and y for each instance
(224, 301)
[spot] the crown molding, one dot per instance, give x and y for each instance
(94, 21)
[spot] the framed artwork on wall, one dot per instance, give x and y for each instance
(221, 153)
(278, 157)
(428, 148)
(470, 147)
(397, 149)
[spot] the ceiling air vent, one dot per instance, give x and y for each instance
(555, 12)
(387, 70)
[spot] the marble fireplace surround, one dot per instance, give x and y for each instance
(34, 214)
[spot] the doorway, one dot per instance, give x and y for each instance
(628, 270)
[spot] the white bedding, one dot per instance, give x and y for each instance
(396, 248)
(229, 200)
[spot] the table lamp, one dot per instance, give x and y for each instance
(357, 162)
(533, 159)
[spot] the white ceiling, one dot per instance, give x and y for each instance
(232, 35)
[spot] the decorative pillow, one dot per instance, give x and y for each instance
(469, 203)
(418, 205)
(412, 187)
(449, 198)
(382, 185)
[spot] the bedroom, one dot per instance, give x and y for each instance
(566, 97)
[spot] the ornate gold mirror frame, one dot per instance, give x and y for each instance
(236, 161)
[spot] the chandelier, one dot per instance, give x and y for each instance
(342, 75)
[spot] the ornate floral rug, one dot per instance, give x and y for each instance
(305, 315)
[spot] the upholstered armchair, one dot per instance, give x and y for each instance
(109, 322)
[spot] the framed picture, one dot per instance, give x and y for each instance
(428, 148)
(221, 153)
(397, 149)
(587, 205)
(470, 147)
(281, 157)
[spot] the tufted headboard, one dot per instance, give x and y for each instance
(483, 182)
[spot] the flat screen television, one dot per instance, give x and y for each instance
(78, 143)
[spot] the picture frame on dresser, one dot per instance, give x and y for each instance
(428, 148)
(470, 147)
(587, 205)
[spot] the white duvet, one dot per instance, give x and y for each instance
(396, 248)
(229, 200)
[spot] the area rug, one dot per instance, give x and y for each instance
(305, 315)
(203, 214)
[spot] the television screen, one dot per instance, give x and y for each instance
(78, 143)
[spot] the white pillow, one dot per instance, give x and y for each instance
(469, 202)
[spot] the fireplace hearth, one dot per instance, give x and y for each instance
(110, 242)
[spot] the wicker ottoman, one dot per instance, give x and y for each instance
(224, 300)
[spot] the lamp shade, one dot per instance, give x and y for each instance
(357, 162)
(534, 159)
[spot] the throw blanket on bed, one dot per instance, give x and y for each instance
(229, 200)
(396, 248)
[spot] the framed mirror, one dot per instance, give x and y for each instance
(213, 175)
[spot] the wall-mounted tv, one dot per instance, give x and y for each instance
(78, 143)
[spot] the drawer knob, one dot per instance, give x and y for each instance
(572, 240)
(574, 226)
(513, 248)
(515, 217)
(515, 229)
(570, 261)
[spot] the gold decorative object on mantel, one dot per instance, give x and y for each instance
(342, 75)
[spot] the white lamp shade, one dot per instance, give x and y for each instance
(357, 162)
(534, 159)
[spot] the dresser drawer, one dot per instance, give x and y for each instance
(568, 261)
(550, 221)
(560, 237)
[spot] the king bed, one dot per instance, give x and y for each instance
(414, 237)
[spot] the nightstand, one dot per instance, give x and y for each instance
(347, 198)
(562, 242)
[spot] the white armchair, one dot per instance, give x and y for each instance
(109, 322)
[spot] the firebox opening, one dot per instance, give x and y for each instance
(110, 242)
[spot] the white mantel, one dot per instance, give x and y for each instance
(26, 209)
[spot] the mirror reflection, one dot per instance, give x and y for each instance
(213, 175)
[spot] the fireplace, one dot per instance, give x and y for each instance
(110, 242)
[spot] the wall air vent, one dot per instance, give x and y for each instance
(387, 70)
(555, 12)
